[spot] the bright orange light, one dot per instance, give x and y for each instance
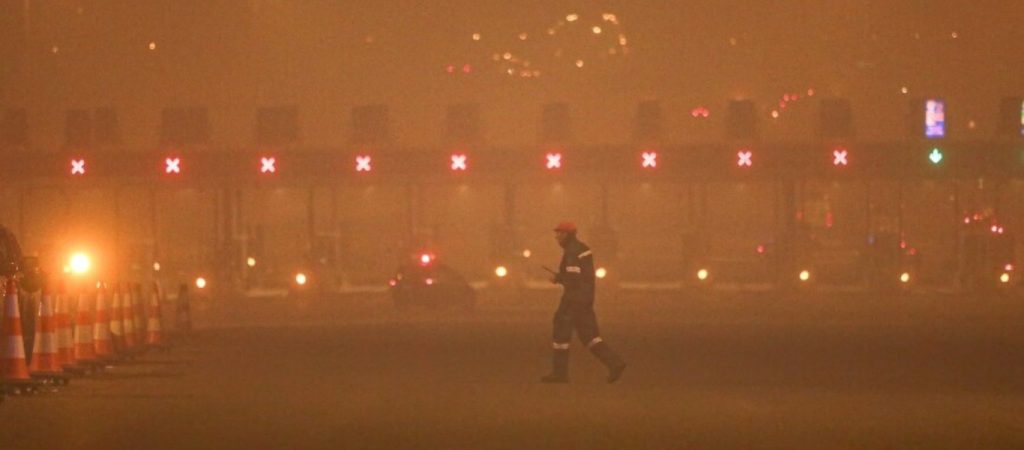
(703, 274)
(80, 263)
(601, 272)
(201, 283)
(805, 275)
(501, 271)
(300, 279)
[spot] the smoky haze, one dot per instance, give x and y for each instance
(325, 57)
(511, 58)
(781, 257)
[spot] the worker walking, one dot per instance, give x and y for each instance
(576, 309)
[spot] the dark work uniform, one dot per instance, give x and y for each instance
(576, 309)
(576, 312)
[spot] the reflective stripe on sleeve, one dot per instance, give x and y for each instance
(573, 269)
(584, 254)
(558, 346)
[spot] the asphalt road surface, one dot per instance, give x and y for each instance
(736, 372)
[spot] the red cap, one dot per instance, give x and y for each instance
(566, 226)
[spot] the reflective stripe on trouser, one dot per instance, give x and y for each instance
(560, 346)
(575, 316)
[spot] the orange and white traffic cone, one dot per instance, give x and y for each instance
(65, 335)
(13, 367)
(45, 359)
(154, 328)
(141, 324)
(101, 332)
(85, 324)
(127, 320)
(116, 312)
(137, 333)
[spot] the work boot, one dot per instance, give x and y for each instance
(612, 361)
(559, 368)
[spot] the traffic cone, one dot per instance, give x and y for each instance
(128, 319)
(141, 322)
(101, 331)
(13, 367)
(65, 335)
(130, 304)
(154, 326)
(85, 324)
(45, 359)
(116, 312)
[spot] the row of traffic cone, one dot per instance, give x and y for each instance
(97, 336)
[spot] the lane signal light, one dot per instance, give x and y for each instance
(364, 163)
(935, 156)
(650, 160)
(745, 158)
(268, 164)
(172, 165)
(840, 157)
(78, 167)
(458, 162)
(554, 161)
